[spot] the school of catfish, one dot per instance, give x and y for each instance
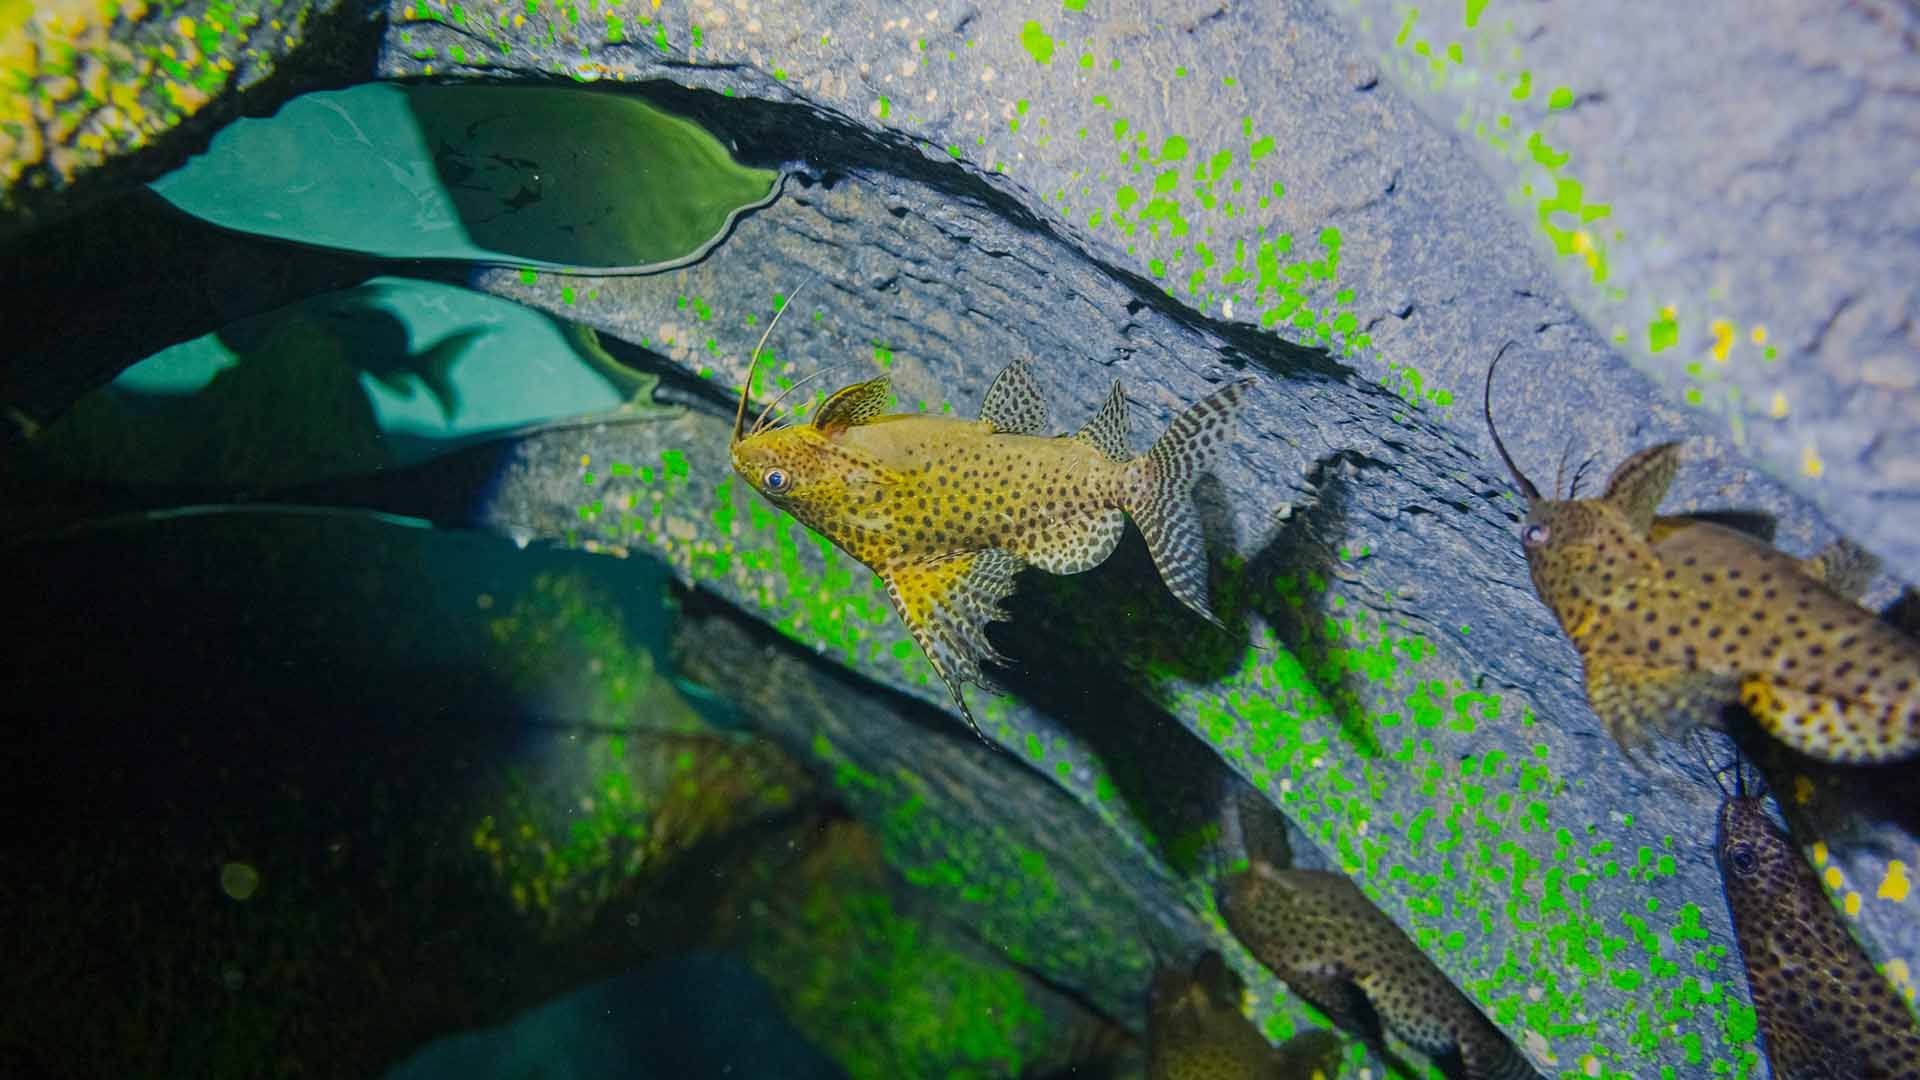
(1677, 620)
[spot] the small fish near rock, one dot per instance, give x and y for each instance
(1677, 618)
(1196, 1031)
(1319, 934)
(947, 511)
(1824, 1011)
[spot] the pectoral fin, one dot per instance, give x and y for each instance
(947, 603)
(1332, 993)
(1634, 700)
(1824, 726)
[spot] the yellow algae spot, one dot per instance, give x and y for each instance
(1590, 1065)
(1779, 407)
(1900, 976)
(585, 461)
(1819, 853)
(1833, 878)
(1802, 790)
(1667, 312)
(1810, 462)
(184, 27)
(519, 21)
(1852, 903)
(1895, 885)
(1722, 339)
(1759, 335)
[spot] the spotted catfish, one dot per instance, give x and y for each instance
(1823, 1009)
(1196, 1031)
(947, 511)
(1676, 618)
(1320, 935)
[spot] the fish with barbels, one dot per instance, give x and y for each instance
(1196, 1031)
(948, 510)
(1320, 935)
(1676, 618)
(1824, 1012)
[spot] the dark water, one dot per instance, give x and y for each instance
(318, 707)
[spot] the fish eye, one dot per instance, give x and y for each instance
(1533, 534)
(776, 480)
(1743, 860)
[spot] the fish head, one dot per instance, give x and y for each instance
(1755, 855)
(1258, 904)
(1574, 545)
(803, 470)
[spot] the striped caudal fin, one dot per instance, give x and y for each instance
(1160, 498)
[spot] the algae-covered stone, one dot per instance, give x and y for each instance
(97, 95)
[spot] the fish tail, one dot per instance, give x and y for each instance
(1161, 494)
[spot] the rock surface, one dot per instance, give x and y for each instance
(1742, 227)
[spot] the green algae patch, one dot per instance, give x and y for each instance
(885, 990)
(1034, 39)
(82, 83)
(604, 814)
(537, 176)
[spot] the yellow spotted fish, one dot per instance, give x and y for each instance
(947, 511)
(1676, 618)
(1319, 934)
(1823, 1009)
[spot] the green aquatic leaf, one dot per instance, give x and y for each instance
(387, 373)
(539, 177)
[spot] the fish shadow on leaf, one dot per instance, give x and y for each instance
(289, 407)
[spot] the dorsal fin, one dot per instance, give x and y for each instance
(1107, 431)
(1013, 404)
(1641, 481)
(854, 405)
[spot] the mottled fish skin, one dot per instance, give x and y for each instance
(947, 511)
(1196, 1031)
(1676, 618)
(1320, 935)
(1824, 1012)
